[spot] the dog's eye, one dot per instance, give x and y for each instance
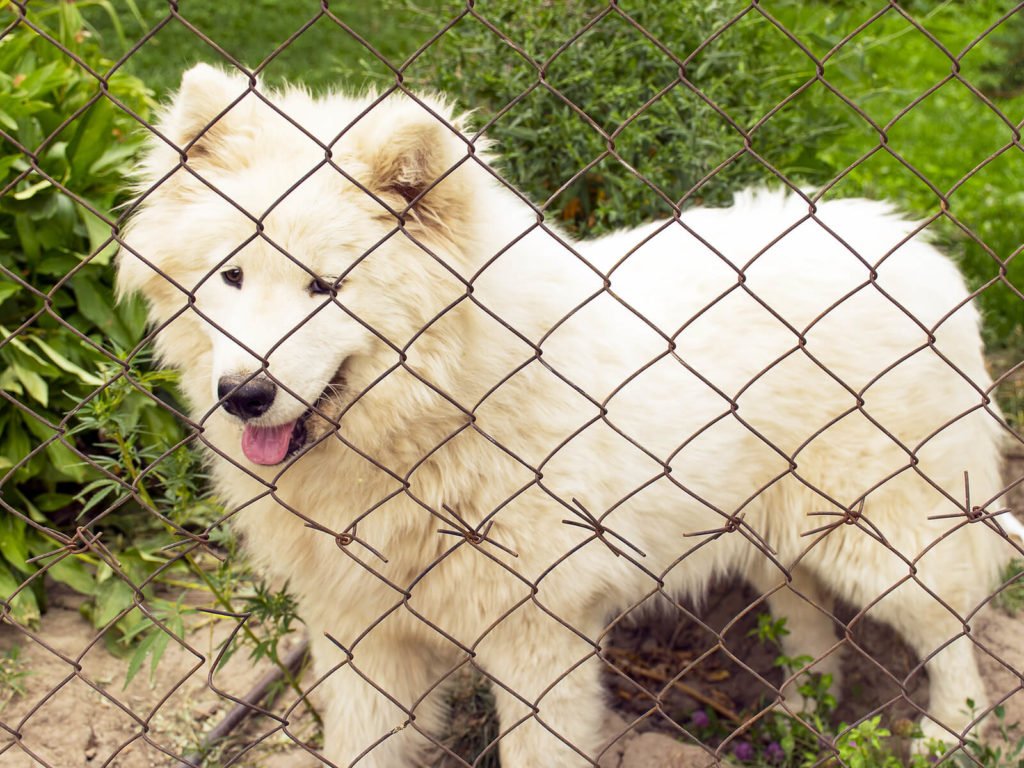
(232, 277)
(323, 286)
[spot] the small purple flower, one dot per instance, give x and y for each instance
(744, 751)
(774, 753)
(700, 719)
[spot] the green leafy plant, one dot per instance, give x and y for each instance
(62, 169)
(1005, 752)
(813, 738)
(581, 150)
(12, 675)
(271, 616)
(1011, 597)
(149, 497)
(866, 745)
(276, 611)
(814, 687)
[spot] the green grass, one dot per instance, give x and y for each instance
(1011, 598)
(12, 674)
(955, 142)
(323, 55)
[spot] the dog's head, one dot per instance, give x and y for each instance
(296, 253)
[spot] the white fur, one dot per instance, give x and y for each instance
(539, 389)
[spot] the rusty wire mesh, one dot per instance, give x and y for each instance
(645, 683)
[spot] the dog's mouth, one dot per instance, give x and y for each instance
(273, 445)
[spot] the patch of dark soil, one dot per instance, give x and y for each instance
(666, 666)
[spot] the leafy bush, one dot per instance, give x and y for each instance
(586, 129)
(77, 426)
(92, 446)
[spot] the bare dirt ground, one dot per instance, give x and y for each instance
(77, 712)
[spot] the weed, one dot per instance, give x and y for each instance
(12, 673)
(1011, 597)
(813, 739)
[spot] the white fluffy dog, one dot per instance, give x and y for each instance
(465, 438)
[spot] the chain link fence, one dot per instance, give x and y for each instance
(734, 487)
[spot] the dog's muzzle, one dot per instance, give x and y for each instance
(248, 398)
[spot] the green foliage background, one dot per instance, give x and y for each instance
(56, 316)
(873, 130)
(71, 367)
(743, 74)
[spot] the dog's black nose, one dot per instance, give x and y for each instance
(246, 399)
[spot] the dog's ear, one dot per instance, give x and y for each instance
(209, 108)
(411, 154)
(209, 105)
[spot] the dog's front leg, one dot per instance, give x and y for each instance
(382, 705)
(546, 682)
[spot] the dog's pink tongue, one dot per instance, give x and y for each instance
(267, 445)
